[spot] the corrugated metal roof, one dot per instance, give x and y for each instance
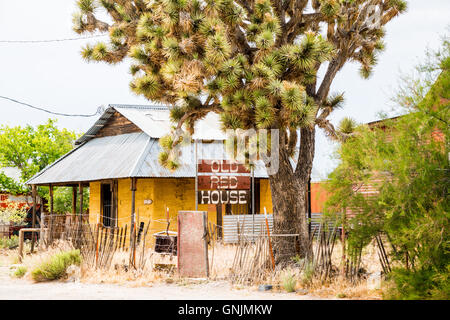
(97, 159)
(150, 167)
(127, 155)
(155, 121)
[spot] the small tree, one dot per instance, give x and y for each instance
(62, 200)
(30, 150)
(255, 63)
(406, 161)
(8, 184)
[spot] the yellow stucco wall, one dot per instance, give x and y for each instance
(265, 196)
(175, 193)
(94, 201)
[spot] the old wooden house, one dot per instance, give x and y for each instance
(117, 159)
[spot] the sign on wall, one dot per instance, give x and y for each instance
(221, 166)
(222, 182)
(215, 182)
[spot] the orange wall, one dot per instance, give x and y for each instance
(318, 196)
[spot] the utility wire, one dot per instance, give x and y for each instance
(100, 110)
(52, 40)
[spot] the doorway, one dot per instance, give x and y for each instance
(107, 204)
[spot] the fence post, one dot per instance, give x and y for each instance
(20, 245)
(42, 226)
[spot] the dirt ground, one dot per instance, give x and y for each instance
(15, 289)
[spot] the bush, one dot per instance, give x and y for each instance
(55, 268)
(288, 281)
(418, 285)
(6, 243)
(13, 213)
(20, 271)
(308, 273)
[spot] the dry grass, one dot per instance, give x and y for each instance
(342, 288)
(156, 269)
(220, 260)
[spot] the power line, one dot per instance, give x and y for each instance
(53, 40)
(100, 110)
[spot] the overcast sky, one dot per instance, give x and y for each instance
(54, 76)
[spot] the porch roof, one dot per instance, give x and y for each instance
(125, 156)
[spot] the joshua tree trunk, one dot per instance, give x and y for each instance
(289, 197)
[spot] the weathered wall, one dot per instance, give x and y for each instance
(175, 193)
(266, 196)
(94, 201)
(318, 197)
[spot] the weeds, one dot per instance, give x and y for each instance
(8, 243)
(55, 267)
(288, 281)
(20, 272)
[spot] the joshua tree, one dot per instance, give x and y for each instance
(254, 62)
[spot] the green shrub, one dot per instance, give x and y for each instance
(288, 281)
(418, 285)
(6, 243)
(308, 273)
(20, 271)
(56, 266)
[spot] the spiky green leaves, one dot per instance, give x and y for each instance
(97, 52)
(399, 5)
(302, 116)
(265, 40)
(147, 29)
(87, 6)
(335, 101)
(312, 50)
(230, 121)
(292, 95)
(330, 8)
(368, 60)
(347, 125)
(217, 48)
(147, 85)
(171, 48)
(231, 56)
(265, 113)
(139, 54)
(163, 158)
(166, 142)
(176, 113)
(168, 157)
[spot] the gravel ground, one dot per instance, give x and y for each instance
(14, 289)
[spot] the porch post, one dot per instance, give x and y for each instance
(80, 186)
(133, 207)
(50, 188)
(51, 198)
(33, 192)
(74, 200)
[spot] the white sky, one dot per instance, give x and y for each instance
(54, 76)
